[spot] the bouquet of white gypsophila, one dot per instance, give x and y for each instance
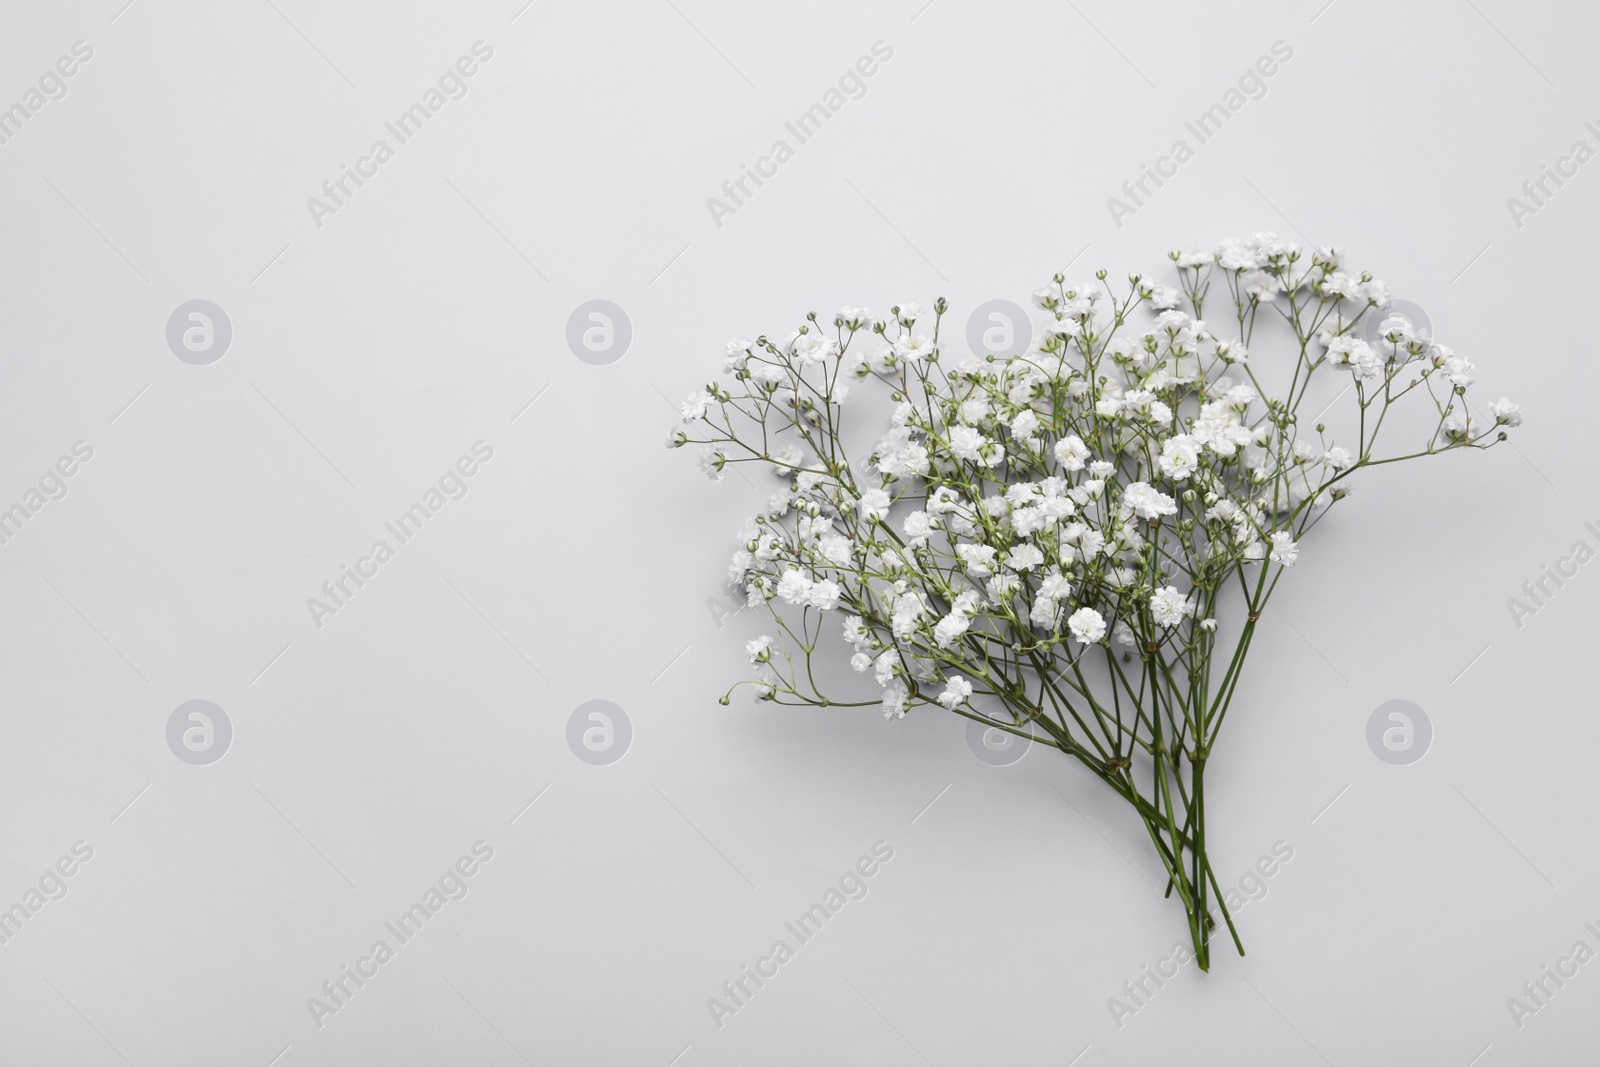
(1083, 537)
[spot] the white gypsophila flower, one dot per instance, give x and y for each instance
(894, 701)
(735, 355)
(823, 595)
(916, 526)
(836, 549)
(1148, 502)
(1505, 412)
(914, 349)
(956, 692)
(1045, 612)
(885, 667)
(1054, 584)
(874, 504)
(1337, 458)
(856, 633)
(1208, 625)
(793, 587)
(1284, 549)
(695, 406)
(1169, 607)
(854, 317)
(1086, 625)
(1124, 634)
(786, 459)
(712, 462)
(1026, 424)
(979, 559)
(1024, 557)
(1180, 456)
(860, 662)
(809, 349)
(966, 443)
(1002, 587)
(759, 649)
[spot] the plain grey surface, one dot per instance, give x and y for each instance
(372, 347)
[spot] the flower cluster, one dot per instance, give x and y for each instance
(1058, 533)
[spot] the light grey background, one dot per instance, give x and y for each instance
(369, 353)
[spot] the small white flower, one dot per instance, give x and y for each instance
(1026, 424)
(793, 587)
(860, 662)
(1169, 607)
(712, 462)
(1086, 625)
(894, 702)
(1180, 456)
(874, 504)
(1071, 453)
(1506, 413)
(913, 349)
(823, 596)
(760, 649)
(1284, 549)
(1024, 557)
(956, 692)
(966, 443)
(1147, 502)
(695, 406)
